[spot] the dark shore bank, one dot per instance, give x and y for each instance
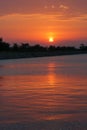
(17, 55)
(25, 50)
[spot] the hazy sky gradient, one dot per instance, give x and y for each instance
(39, 19)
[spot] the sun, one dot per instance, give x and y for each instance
(51, 39)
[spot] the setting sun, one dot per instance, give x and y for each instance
(51, 39)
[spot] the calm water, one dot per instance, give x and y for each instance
(47, 90)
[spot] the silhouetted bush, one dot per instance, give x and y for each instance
(4, 46)
(25, 47)
(83, 47)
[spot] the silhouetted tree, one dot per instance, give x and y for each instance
(38, 48)
(1, 39)
(51, 48)
(3, 45)
(24, 47)
(83, 47)
(15, 47)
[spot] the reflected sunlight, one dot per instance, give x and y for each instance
(51, 75)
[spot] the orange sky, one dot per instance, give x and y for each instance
(27, 20)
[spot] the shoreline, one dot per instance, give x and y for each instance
(20, 55)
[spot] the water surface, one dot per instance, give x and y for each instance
(44, 91)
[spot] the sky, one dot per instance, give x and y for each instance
(38, 20)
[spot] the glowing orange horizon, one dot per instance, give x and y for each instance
(40, 27)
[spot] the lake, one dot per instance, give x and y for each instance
(48, 93)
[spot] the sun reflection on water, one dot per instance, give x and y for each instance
(51, 74)
(57, 93)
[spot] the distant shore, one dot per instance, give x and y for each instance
(25, 50)
(18, 55)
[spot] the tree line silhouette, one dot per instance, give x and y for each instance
(26, 47)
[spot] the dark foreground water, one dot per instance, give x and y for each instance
(44, 93)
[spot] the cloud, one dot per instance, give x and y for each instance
(63, 7)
